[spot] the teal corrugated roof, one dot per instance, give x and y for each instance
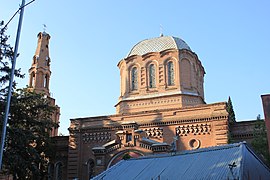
(206, 163)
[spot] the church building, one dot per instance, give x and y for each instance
(161, 109)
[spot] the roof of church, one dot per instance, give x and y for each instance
(157, 45)
(232, 161)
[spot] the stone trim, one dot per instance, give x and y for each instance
(174, 121)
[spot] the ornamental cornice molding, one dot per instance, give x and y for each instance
(170, 122)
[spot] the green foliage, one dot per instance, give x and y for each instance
(6, 56)
(28, 145)
(230, 111)
(260, 142)
(126, 156)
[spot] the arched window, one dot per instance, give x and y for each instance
(186, 73)
(50, 171)
(45, 81)
(90, 168)
(58, 171)
(170, 74)
(47, 61)
(32, 79)
(152, 76)
(134, 79)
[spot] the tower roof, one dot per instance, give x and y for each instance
(157, 45)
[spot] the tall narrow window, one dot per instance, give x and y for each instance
(134, 79)
(90, 168)
(170, 74)
(32, 80)
(128, 137)
(186, 73)
(46, 81)
(152, 76)
(58, 171)
(50, 171)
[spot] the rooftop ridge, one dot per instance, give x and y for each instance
(187, 152)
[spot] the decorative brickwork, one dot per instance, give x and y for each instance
(154, 112)
(199, 129)
(96, 137)
(154, 132)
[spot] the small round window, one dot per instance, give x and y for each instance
(194, 143)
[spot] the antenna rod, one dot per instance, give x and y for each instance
(3, 137)
(161, 30)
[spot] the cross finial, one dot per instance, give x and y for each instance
(44, 27)
(161, 30)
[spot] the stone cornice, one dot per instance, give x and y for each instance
(155, 95)
(142, 113)
(168, 117)
(172, 121)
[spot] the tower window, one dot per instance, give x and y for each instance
(46, 81)
(32, 79)
(170, 74)
(47, 62)
(152, 76)
(134, 79)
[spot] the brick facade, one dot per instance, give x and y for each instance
(161, 108)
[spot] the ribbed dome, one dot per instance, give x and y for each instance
(157, 45)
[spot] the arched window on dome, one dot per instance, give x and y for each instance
(186, 73)
(134, 79)
(170, 73)
(152, 76)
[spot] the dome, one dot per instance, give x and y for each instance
(157, 45)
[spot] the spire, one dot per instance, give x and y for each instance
(39, 73)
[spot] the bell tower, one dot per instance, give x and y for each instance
(40, 73)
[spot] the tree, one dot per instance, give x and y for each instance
(260, 142)
(28, 145)
(230, 111)
(6, 55)
(126, 156)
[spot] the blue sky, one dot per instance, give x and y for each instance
(89, 38)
